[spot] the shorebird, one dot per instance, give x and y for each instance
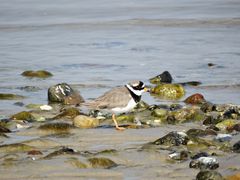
(119, 100)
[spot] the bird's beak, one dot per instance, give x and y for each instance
(146, 89)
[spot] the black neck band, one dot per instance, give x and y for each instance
(135, 97)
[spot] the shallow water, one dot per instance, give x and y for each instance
(96, 45)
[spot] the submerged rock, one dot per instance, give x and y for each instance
(168, 91)
(200, 154)
(4, 96)
(76, 163)
(191, 83)
(82, 121)
(4, 129)
(223, 137)
(195, 99)
(64, 93)
(165, 77)
(24, 115)
(37, 74)
(172, 139)
(179, 156)
(62, 151)
(68, 113)
(236, 147)
(56, 127)
(17, 147)
(204, 163)
(200, 132)
(209, 175)
(102, 163)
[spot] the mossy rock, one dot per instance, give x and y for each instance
(4, 96)
(168, 91)
(209, 175)
(125, 118)
(68, 113)
(102, 163)
(24, 115)
(225, 124)
(37, 74)
(17, 147)
(76, 163)
(56, 127)
(82, 121)
(162, 113)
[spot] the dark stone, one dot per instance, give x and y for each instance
(5, 96)
(64, 93)
(208, 107)
(20, 104)
(200, 154)
(165, 77)
(62, 151)
(200, 132)
(235, 127)
(68, 113)
(173, 138)
(195, 99)
(236, 147)
(4, 129)
(209, 175)
(191, 83)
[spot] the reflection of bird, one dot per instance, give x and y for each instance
(119, 99)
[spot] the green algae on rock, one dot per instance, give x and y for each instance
(24, 115)
(102, 163)
(17, 147)
(37, 74)
(75, 162)
(6, 96)
(68, 113)
(59, 127)
(168, 91)
(209, 175)
(82, 121)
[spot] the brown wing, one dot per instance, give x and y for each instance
(117, 97)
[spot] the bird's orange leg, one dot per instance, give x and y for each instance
(116, 124)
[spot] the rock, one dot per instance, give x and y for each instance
(46, 108)
(82, 121)
(56, 127)
(179, 156)
(37, 74)
(13, 148)
(76, 163)
(68, 113)
(223, 137)
(29, 88)
(209, 175)
(208, 107)
(4, 96)
(200, 154)
(235, 127)
(172, 139)
(20, 104)
(24, 115)
(34, 152)
(161, 113)
(126, 118)
(233, 177)
(33, 106)
(102, 163)
(204, 163)
(236, 147)
(226, 124)
(41, 143)
(195, 99)
(165, 77)
(4, 129)
(200, 132)
(62, 151)
(64, 93)
(191, 83)
(168, 91)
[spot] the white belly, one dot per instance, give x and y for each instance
(131, 104)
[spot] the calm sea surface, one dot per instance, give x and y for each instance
(95, 45)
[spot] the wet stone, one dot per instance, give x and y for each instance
(68, 113)
(4, 96)
(64, 93)
(59, 127)
(4, 129)
(37, 74)
(204, 163)
(82, 121)
(168, 91)
(223, 137)
(17, 147)
(236, 147)
(209, 175)
(102, 163)
(200, 132)
(34, 152)
(195, 99)
(179, 156)
(30, 88)
(165, 77)
(172, 139)
(24, 115)
(208, 107)
(200, 154)
(62, 151)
